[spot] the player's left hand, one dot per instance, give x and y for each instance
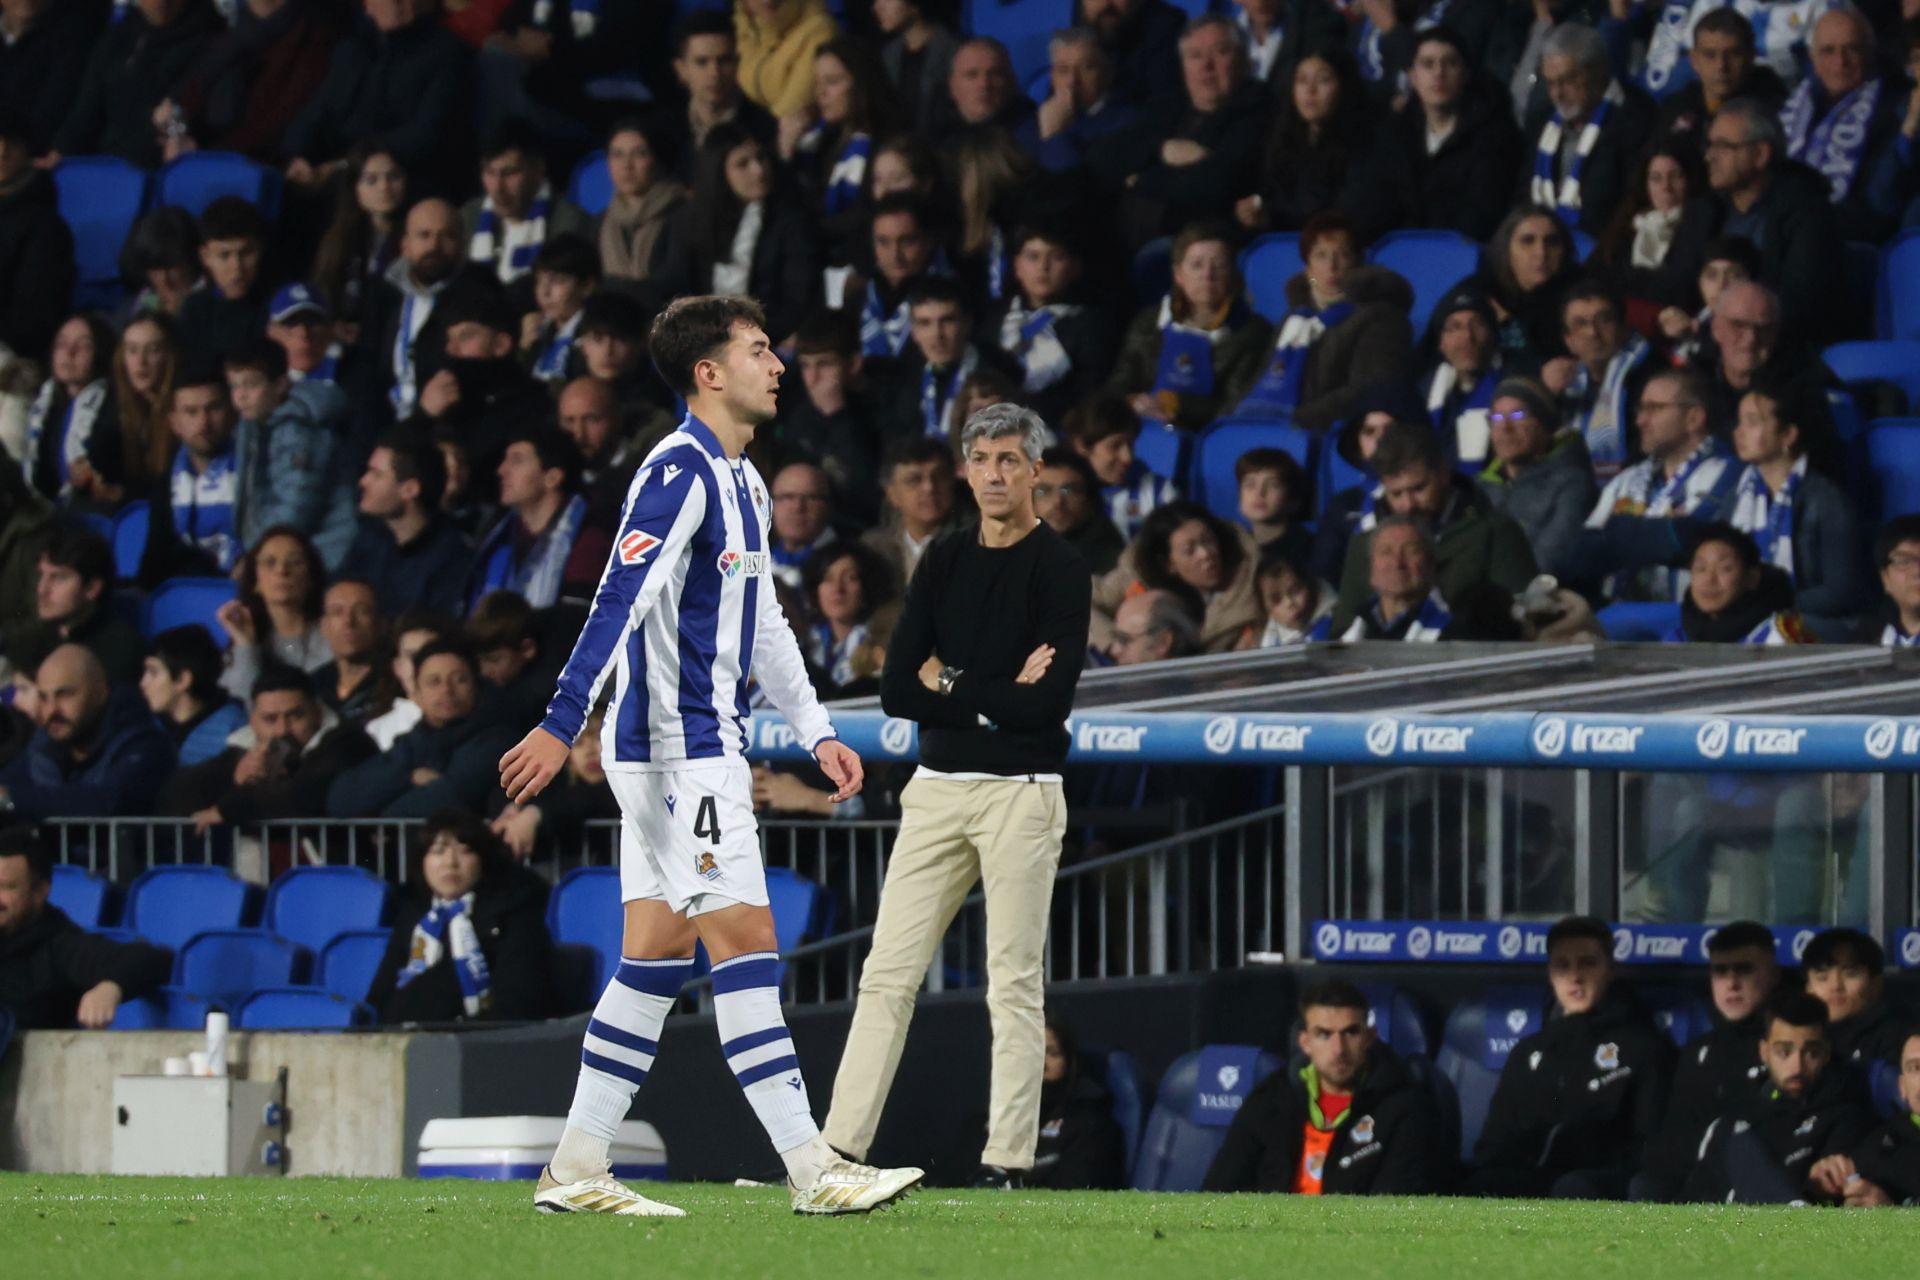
(534, 761)
(842, 766)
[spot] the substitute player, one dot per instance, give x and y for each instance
(683, 611)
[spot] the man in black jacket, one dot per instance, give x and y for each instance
(1781, 207)
(1577, 1101)
(1762, 1149)
(53, 973)
(1846, 969)
(1725, 66)
(1719, 1063)
(138, 60)
(448, 760)
(36, 249)
(985, 657)
(1884, 1168)
(44, 46)
(414, 556)
(1350, 1122)
(1581, 176)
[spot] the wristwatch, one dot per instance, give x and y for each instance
(947, 676)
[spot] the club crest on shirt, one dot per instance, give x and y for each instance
(1315, 1166)
(1363, 1131)
(1607, 1056)
(705, 867)
(635, 546)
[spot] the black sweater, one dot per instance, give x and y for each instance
(1796, 1132)
(1715, 1068)
(984, 610)
(50, 962)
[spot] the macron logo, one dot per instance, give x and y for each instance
(636, 546)
(669, 474)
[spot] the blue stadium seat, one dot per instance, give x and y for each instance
(1446, 1100)
(1861, 265)
(591, 186)
(313, 905)
(129, 539)
(1123, 1086)
(168, 1009)
(86, 899)
(100, 198)
(1893, 460)
(1223, 443)
(1639, 620)
(1582, 245)
(1679, 1011)
(198, 178)
(1893, 360)
(1899, 293)
(1199, 1097)
(585, 909)
(1163, 451)
(1335, 474)
(1024, 26)
(226, 964)
(168, 905)
(346, 965)
(1040, 84)
(1266, 265)
(1152, 272)
(1480, 1033)
(102, 525)
(1432, 262)
(1397, 1019)
(299, 1009)
(180, 601)
(801, 909)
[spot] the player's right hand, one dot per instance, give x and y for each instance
(533, 762)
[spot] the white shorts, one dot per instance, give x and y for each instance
(688, 837)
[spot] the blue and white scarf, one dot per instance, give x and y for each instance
(836, 658)
(1564, 197)
(1185, 366)
(1033, 338)
(1894, 638)
(204, 505)
(448, 928)
(999, 263)
(940, 395)
(1836, 143)
(1643, 489)
(77, 418)
(556, 347)
(883, 333)
(1464, 423)
(1372, 53)
(1135, 497)
(520, 244)
(1768, 516)
(1780, 31)
(1603, 422)
(583, 15)
(1432, 618)
(328, 370)
(416, 308)
(538, 576)
(849, 172)
(1277, 394)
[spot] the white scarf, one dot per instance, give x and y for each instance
(82, 413)
(1565, 195)
(520, 243)
(1652, 236)
(448, 927)
(1604, 422)
(731, 275)
(1767, 515)
(1032, 337)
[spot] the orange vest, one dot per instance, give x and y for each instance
(1317, 1142)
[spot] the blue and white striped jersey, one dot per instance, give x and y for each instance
(685, 611)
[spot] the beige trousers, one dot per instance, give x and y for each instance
(953, 833)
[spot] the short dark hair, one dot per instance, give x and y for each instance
(1292, 475)
(80, 549)
(446, 646)
(1744, 548)
(1333, 993)
(614, 315)
(553, 447)
(190, 651)
(828, 331)
(702, 22)
(282, 677)
(1726, 22)
(200, 371)
(1798, 1009)
(1405, 445)
(938, 289)
(1736, 249)
(1328, 222)
(502, 620)
(416, 457)
(1587, 289)
(232, 218)
(697, 328)
(261, 356)
(1739, 934)
(1894, 532)
(424, 620)
(569, 255)
(473, 298)
(23, 840)
(876, 578)
(911, 450)
(1061, 456)
(900, 202)
(1575, 928)
(1832, 947)
(1047, 233)
(470, 830)
(1100, 417)
(513, 134)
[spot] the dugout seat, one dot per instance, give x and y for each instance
(169, 905)
(179, 602)
(1480, 1033)
(1899, 294)
(129, 539)
(1123, 1086)
(1163, 450)
(314, 905)
(1199, 1097)
(1677, 1010)
(346, 965)
(168, 1009)
(86, 899)
(1396, 1019)
(591, 186)
(198, 178)
(585, 909)
(1895, 361)
(801, 909)
(1266, 265)
(1222, 446)
(1431, 261)
(1639, 619)
(226, 965)
(1893, 460)
(299, 1009)
(100, 198)
(1446, 1100)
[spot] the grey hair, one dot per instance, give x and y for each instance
(1761, 125)
(1085, 38)
(1580, 42)
(1242, 57)
(1414, 523)
(998, 421)
(1168, 612)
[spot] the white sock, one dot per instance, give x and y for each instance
(622, 1039)
(806, 1162)
(759, 1049)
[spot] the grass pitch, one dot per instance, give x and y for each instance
(53, 1226)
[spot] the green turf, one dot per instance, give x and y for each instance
(297, 1228)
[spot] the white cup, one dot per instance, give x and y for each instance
(174, 1067)
(197, 1063)
(216, 1044)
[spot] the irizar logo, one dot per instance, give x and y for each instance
(1910, 949)
(1326, 939)
(1511, 940)
(1550, 736)
(1386, 735)
(1218, 735)
(1631, 945)
(1622, 943)
(1881, 738)
(1331, 940)
(1718, 737)
(1382, 735)
(1419, 942)
(1111, 737)
(1459, 942)
(1223, 733)
(1800, 941)
(1554, 735)
(1711, 738)
(896, 736)
(777, 735)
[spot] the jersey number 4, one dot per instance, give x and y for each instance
(706, 821)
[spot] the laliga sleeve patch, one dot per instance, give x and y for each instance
(636, 546)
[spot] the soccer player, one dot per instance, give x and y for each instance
(685, 605)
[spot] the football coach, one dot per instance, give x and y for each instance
(985, 658)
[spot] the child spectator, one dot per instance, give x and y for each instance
(565, 274)
(1273, 502)
(1103, 431)
(232, 310)
(1298, 605)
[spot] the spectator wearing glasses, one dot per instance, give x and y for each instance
(1780, 206)
(802, 519)
(1541, 474)
(1896, 552)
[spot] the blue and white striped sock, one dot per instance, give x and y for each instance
(758, 1048)
(622, 1038)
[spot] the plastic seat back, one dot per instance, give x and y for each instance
(299, 1009)
(169, 905)
(347, 964)
(84, 898)
(1431, 261)
(227, 965)
(1479, 1034)
(1199, 1097)
(314, 905)
(1266, 265)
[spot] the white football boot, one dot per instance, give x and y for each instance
(601, 1194)
(847, 1187)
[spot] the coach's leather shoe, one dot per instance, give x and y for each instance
(847, 1187)
(994, 1178)
(602, 1194)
